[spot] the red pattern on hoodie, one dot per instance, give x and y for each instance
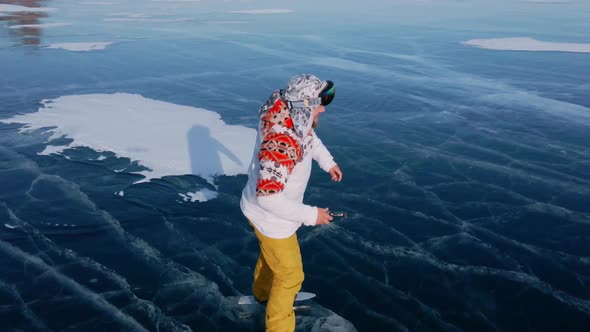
(278, 149)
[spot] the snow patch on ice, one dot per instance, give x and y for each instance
(261, 11)
(166, 138)
(148, 19)
(130, 14)
(39, 26)
(550, 1)
(16, 8)
(100, 3)
(176, 0)
(202, 195)
(80, 47)
(225, 22)
(527, 44)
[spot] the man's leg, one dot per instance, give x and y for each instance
(262, 279)
(283, 257)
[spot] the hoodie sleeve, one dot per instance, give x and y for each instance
(279, 152)
(321, 154)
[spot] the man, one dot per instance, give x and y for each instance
(272, 199)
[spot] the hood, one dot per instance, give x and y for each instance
(298, 119)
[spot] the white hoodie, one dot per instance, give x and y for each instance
(278, 174)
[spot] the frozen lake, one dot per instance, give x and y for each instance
(462, 129)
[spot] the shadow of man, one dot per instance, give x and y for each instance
(205, 153)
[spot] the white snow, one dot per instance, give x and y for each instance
(138, 15)
(16, 8)
(39, 26)
(167, 138)
(202, 195)
(147, 19)
(550, 1)
(527, 44)
(176, 0)
(261, 11)
(100, 3)
(225, 22)
(130, 14)
(80, 47)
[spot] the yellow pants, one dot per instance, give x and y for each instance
(277, 279)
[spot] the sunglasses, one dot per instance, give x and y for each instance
(327, 94)
(324, 98)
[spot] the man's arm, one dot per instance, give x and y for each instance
(321, 154)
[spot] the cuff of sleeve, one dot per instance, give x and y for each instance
(311, 216)
(328, 166)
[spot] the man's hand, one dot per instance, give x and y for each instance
(336, 173)
(324, 216)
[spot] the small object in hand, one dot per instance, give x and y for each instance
(338, 215)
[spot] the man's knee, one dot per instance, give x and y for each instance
(290, 277)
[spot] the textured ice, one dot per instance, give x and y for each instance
(569, 111)
(95, 294)
(316, 319)
(527, 44)
(95, 300)
(332, 323)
